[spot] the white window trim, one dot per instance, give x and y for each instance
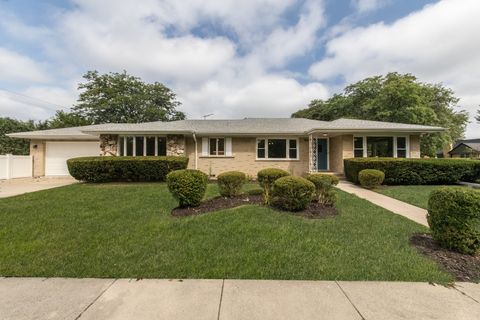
(134, 144)
(277, 159)
(227, 147)
(395, 150)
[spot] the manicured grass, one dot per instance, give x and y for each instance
(126, 230)
(416, 195)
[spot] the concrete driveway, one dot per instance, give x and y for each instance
(59, 298)
(13, 187)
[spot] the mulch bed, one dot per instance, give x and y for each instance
(463, 266)
(314, 210)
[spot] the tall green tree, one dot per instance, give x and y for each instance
(396, 98)
(10, 145)
(120, 97)
(64, 119)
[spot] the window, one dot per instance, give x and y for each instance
(129, 148)
(161, 146)
(139, 146)
(401, 147)
(380, 147)
(292, 149)
(261, 149)
(217, 146)
(142, 146)
(358, 147)
(150, 145)
(277, 149)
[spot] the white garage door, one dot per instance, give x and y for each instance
(58, 152)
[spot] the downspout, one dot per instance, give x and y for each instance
(196, 150)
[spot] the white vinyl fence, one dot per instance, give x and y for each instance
(15, 166)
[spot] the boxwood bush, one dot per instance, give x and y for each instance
(267, 177)
(109, 169)
(187, 186)
(415, 171)
(230, 183)
(454, 218)
(371, 178)
(292, 193)
(324, 191)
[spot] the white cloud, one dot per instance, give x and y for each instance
(163, 41)
(267, 96)
(15, 67)
(438, 44)
(363, 6)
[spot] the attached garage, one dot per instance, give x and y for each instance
(58, 152)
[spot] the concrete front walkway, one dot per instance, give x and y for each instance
(407, 210)
(58, 298)
(14, 187)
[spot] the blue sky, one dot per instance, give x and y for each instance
(260, 58)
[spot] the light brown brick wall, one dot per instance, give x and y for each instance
(336, 154)
(244, 154)
(38, 155)
(415, 146)
(341, 147)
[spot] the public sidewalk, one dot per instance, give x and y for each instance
(59, 298)
(407, 210)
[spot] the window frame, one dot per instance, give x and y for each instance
(395, 149)
(124, 138)
(216, 147)
(363, 148)
(287, 149)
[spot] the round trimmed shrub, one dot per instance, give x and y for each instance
(187, 186)
(324, 192)
(371, 178)
(292, 193)
(230, 183)
(454, 218)
(267, 177)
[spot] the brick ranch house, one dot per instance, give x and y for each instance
(214, 146)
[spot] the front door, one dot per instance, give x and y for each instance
(322, 154)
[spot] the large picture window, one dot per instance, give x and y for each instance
(380, 147)
(142, 146)
(275, 148)
(372, 146)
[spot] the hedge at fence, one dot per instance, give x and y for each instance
(415, 171)
(110, 169)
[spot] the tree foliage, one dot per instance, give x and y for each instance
(120, 97)
(10, 145)
(396, 98)
(478, 116)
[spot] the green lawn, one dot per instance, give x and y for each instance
(126, 230)
(416, 195)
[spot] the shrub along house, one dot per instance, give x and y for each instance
(214, 146)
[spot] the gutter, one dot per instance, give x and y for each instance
(377, 130)
(196, 150)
